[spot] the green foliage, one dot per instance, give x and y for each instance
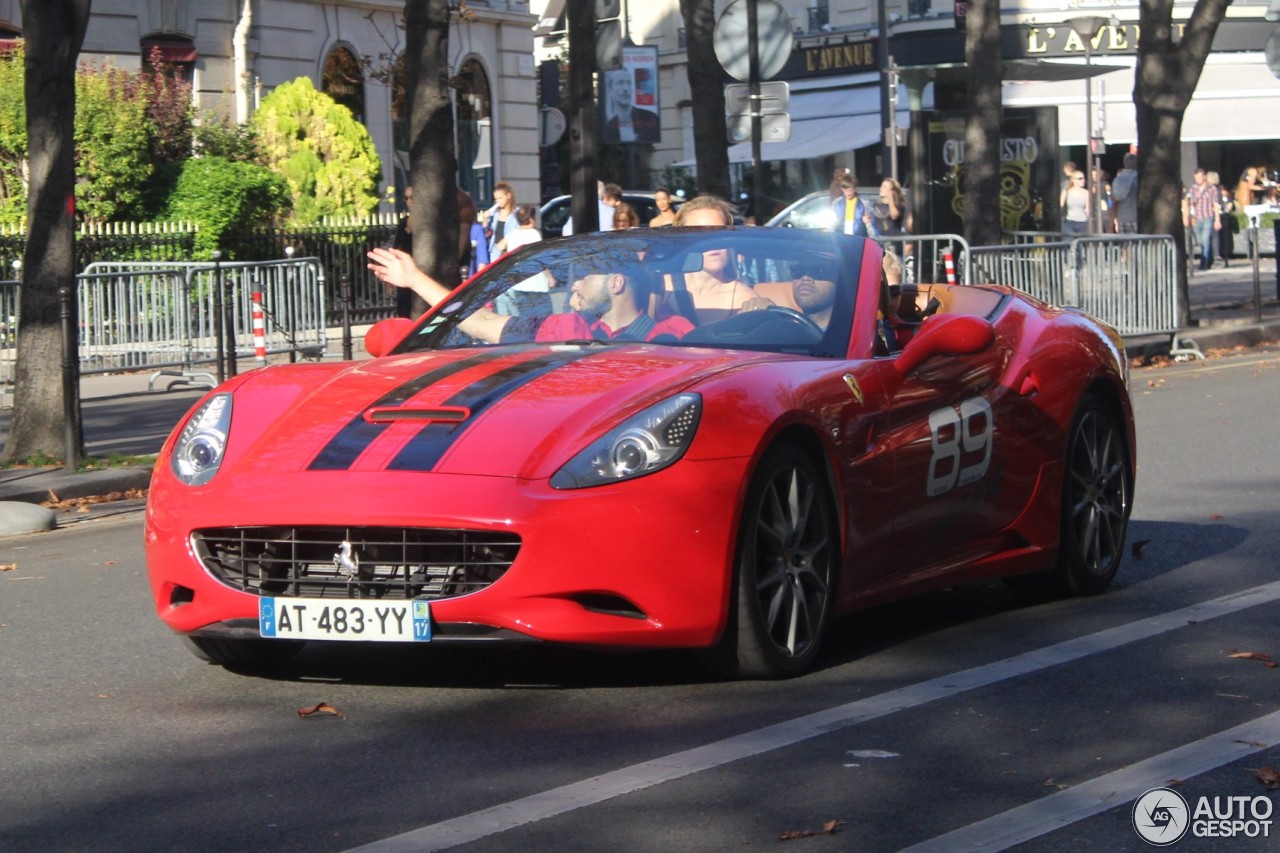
(327, 156)
(221, 195)
(217, 137)
(113, 145)
(13, 137)
(128, 126)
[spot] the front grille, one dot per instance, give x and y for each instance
(356, 562)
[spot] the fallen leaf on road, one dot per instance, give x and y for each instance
(1215, 517)
(83, 504)
(1258, 656)
(1268, 776)
(1137, 547)
(1154, 383)
(323, 709)
(1259, 744)
(1049, 783)
(8, 567)
(828, 828)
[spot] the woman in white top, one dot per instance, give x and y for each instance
(1075, 205)
(531, 297)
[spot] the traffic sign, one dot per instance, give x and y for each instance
(773, 39)
(773, 128)
(774, 98)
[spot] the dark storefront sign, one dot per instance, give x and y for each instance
(826, 59)
(1028, 169)
(845, 54)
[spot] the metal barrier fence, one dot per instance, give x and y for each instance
(164, 316)
(342, 251)
(1128, 281)
(142, 315)
(8, 335)
(924, 257)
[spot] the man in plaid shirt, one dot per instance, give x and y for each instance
(1203, 208)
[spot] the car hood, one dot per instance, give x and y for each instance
(498, 411)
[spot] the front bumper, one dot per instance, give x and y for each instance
(643, 563)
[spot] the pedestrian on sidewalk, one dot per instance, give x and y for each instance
(1074, 202)
(1124, 192)
(1226, 219)
(1203, 210)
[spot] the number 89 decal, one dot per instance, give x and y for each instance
(959, 437)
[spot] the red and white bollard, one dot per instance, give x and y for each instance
(259, 328)
(949, 264)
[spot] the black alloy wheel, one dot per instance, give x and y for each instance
(785, 570)
(1096, 499)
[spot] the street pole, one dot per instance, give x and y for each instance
(888, 145)
(582, 118)
(1088, 134)
(753, 82)
(1086, 28)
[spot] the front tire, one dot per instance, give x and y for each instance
(1096, 499)
(784, 574)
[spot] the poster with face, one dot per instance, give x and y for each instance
(630, 98)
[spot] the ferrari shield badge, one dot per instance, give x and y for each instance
(854, 387)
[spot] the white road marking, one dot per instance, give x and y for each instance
(1120, 788)
(547, 804)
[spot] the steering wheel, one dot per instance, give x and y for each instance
(763, 327)
(797, 317)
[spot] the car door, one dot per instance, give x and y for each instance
(960, 473)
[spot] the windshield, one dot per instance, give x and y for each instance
(731, 288)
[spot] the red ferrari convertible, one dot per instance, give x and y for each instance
(713, 439)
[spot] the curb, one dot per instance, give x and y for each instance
(34, 486)
(1226, 336)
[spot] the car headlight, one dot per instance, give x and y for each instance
(198, 452)
(646, 442)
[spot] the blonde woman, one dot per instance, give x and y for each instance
(1074, 202)
(890, 211)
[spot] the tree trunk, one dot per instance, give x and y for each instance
(983, 106)
(54, 31)
(1165, 80)
(433, 161)
(706, 88)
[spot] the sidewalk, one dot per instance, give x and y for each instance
(1223, 316)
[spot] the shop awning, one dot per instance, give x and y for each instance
(171, 50)
(1233, 100)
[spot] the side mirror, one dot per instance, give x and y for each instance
(383, 336)
(948, 334)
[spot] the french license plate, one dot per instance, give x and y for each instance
(345, 619)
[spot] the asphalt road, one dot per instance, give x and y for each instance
(963, 720)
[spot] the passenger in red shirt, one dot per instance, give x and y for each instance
(607, 306)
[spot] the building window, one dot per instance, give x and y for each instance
(474, 128)
(919, 8)
(819, 16)
(343, 81)
(173, 54)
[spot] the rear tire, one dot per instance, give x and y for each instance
(246, 654)
(1096, 500)
(784, 572)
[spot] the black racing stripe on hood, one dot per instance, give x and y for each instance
(426, 448)
(352, 440)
